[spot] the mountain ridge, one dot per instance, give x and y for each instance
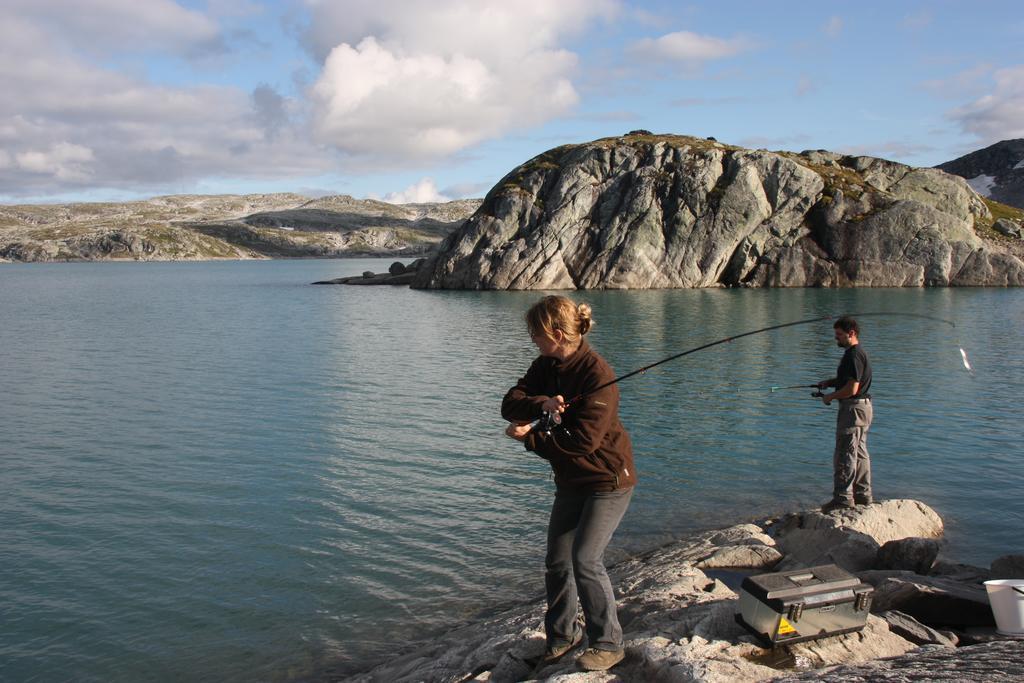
(996, 172)
(201, 227)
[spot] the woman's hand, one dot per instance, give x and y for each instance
(518, 431)
(554, 405)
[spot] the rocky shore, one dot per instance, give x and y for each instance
(398, 274)
(930, 619)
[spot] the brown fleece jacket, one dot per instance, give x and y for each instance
(593, 452)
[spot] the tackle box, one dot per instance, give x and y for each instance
(803, 604)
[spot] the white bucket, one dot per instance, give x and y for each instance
(1007, 599)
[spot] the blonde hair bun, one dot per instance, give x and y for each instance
(583, 313)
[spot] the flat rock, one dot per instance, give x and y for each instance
(960, 572)
(996, 662)
(910, 628)
(934, 600)
(758, 556)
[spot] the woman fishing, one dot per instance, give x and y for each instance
(592, 458)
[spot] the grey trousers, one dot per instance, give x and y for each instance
(580, 528)
(851, 462)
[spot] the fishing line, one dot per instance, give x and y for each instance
(808, 321)
(793, 386)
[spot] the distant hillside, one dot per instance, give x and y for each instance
(996, 172)
(200, 227)
(645, 211)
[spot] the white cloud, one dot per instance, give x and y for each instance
(64, 161)
(466, 190)
(833, 27)
(687, 47)
(966, 83)
(70, 122)
(423, 192)
(421, 80)
(490, 30)
(105, 26)
(999, 115)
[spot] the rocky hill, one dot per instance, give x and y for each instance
(996, 172)
(667, 211)
(195, 227)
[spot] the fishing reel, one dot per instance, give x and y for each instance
(548, 423)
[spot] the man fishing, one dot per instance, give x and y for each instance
(851, 462)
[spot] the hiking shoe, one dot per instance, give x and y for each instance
(599, 660)
(555, 652)
(863, 500)
(834, 505)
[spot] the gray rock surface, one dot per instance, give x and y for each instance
(913, 630)
(1008, 567)
(1005, 226)
(916, 554)
(960, 572)
(851, 539)
(679, 622)
(660, 211)
(935, 600)
(759, 556)
(996, 662)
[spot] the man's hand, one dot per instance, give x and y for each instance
(518, 431)
(826, 399)
(554, 405)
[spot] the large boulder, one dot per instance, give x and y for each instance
(915, 554)
(851, 539)
(1008, 567)
(663, 211)
(934, 600)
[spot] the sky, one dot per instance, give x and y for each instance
(431, 100)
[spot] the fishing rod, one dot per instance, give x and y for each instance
(793, 386)
(808, 321)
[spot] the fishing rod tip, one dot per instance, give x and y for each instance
(967, 364)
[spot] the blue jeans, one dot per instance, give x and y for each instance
(581, 526)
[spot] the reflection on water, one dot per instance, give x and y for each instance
(215, 470)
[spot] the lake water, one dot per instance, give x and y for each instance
(215, 471)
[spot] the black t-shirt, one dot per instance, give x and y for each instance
(856, 366)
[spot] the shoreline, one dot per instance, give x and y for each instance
(677, 605)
